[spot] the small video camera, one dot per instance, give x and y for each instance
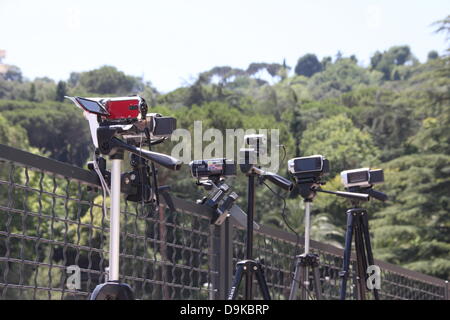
(312, 167)
(363, 177)
(219, 167)
(128, 113)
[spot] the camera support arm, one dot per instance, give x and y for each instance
(348, 195)
(274, 178)
(109, 144)
(376, 194)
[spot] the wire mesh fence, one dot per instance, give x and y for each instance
(276, 250)
(51, 218)
(49, 222)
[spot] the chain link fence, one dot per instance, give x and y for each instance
(51, 218)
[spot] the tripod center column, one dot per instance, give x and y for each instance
(307, 224)
(114, 232)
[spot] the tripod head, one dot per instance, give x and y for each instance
(223, 205)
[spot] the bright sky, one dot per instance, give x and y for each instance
(169, 42)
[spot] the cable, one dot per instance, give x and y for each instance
(284, 150)
(140, 164)
(154, 196)
(104, 186)
(283, 214)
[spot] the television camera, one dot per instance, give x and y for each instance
(117, 125)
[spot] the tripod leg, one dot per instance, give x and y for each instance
(361, 263)
(347, 254)
(317, 287)
(262, 282)
(236, 282)
(295, 281)
(365, 225)
(303, 282)
(248, 285)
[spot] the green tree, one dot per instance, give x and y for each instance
(61, 91)
(433, 55)
(414, 229)
(14, 74)
(340, 77)
(32, 94)
(12, 135)
(341, 142)
(57, 129)
(308, 65)
(108, 80)
(395, 56)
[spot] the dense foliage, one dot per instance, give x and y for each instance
(393, 114)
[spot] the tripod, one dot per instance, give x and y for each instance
(114, 147)
(112, 289)
(305, 262)
(357, 224)
(308, 186)
(249, 266)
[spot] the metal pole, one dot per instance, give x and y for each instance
(307, 224)
(114, 231)
(249, 253)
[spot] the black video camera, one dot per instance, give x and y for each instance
(309, 168)
(212, 168)
(363, 177)
(362, 180)
(308, 172)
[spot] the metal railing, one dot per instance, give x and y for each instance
(51, 218)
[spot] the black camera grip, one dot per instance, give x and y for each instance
(279, 181)
(159, 158)
(377, 195)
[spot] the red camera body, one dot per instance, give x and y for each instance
(123, 107)
(120, 108)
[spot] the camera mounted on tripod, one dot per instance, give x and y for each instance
(123, 123)
(308, 173)
(212, 169)
(362, 180)
(211, 174)
(126, 117)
